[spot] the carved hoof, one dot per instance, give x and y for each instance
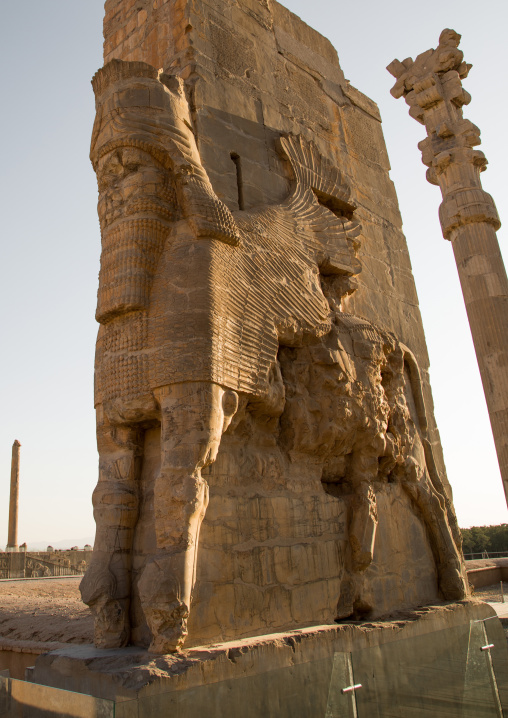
(345, 605)
(344, 612)
(362, 560)
(165, 611)
(111, 615)
(112, 628)
(451, 582)
(171, 633)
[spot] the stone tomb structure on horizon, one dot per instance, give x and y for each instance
(269, 457)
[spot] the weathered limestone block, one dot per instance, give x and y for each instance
(268, 454)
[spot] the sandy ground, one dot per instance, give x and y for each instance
(492, 594)
(489, 593)
(44, 610)
(486, 562)
(51, 610)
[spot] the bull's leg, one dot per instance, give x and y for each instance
(363, 471)
(433, 508)
(106, 585)
(193, 418)
(362, 525)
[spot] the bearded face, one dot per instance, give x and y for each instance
(137, 205)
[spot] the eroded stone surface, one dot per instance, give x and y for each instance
(255, 393)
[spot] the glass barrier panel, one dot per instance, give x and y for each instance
(294, 691)
(499, 654)
(20, 699)
(129, 709)
(460, 672)
(341, 694)
(481, 696)
(420, 676)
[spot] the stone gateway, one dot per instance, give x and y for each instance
(268, 452)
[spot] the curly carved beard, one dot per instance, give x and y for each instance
(130, 253)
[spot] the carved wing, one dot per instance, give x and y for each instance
(321, 201)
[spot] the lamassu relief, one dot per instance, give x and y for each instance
(264, 456)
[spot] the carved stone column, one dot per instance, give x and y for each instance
(431, 86)
(12, 540)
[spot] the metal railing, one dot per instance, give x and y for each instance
(485, 554)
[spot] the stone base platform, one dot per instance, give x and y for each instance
(284, 675)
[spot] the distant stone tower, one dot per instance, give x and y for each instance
(12, 539)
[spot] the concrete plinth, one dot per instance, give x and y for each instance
(284, 675)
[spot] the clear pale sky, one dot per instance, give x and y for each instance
(51, 243)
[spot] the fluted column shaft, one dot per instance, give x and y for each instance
(431, 86)
(485, 288)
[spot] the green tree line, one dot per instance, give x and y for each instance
(485, 538)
